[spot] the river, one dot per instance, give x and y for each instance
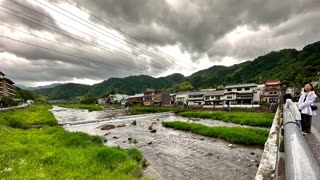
(171, 154)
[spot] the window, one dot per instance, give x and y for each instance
(228, 89)
(239, 89)
(217, 97)
(229, 97)
(246, 88)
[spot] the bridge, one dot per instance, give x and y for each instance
(288, 154)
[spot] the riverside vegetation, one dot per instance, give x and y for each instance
(50, 152)
(239, 135)
(243, 118)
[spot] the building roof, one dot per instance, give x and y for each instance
(137, 96)
(241, 85)
(11, 82)
(273, 82)
(214, 93)
(2, 74)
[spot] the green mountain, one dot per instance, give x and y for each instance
(297, 67)
(129, 85)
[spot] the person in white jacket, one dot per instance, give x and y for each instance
(307, 99)
(293, 109)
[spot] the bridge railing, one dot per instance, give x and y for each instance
(300, 164)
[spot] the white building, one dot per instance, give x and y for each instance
(241, 94)
(195, 98)
(214, 99)
(181, 98)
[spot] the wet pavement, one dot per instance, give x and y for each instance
(173, 154)
(313, 139)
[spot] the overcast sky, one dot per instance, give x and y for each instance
(84, 41)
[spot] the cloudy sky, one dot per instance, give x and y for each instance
(83, 41)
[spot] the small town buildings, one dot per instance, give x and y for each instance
(241, 94)
(272, 91)
(6, 86)
(214, 99)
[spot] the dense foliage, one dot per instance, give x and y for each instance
(24, 94)
(297, 67)
(237, 135)
(53, 153)
(7, 102)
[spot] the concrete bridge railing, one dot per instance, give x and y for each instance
(296, 162)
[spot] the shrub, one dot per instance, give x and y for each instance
(7, 102)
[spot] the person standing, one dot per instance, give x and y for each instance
(307, 99)
(287, 98)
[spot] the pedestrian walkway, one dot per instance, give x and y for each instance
(313, 139)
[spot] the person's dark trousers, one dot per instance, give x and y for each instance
(306, 123)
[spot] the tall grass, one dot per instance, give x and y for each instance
(25, 118)
(243, 118)
(90, 107)
(237, 135)
(145, 109)
(53, 153)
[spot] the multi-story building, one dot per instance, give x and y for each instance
(181, 98)
(272, 91)
(195, 98)
(6, 86)
(241, 94)
(153, 97)
(148, 97)
(213, 99)
(135, 99)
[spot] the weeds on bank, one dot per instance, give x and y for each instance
(25, 118)
(238, 135)
(53, 153)
(145, 109)
(243, 118)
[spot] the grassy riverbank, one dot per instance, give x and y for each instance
(237, 135)
(90, 107)
(53, 153)
(243, 118)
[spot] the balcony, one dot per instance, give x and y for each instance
(195, 98)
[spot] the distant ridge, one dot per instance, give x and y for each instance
(297, 67)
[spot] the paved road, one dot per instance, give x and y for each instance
(313, 139)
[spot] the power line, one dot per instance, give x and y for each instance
(118, 29)
(56, 43)
(53, 50)
(118, 53)
(117, 38)
(72, 36)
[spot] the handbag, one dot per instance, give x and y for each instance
(314, 107)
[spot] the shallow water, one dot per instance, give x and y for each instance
(172, 154)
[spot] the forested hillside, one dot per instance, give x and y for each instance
(297, 67)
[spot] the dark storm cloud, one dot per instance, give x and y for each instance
(197, 24)
(199, 27)
(25, 13)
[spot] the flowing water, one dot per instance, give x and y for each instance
(171, 154)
